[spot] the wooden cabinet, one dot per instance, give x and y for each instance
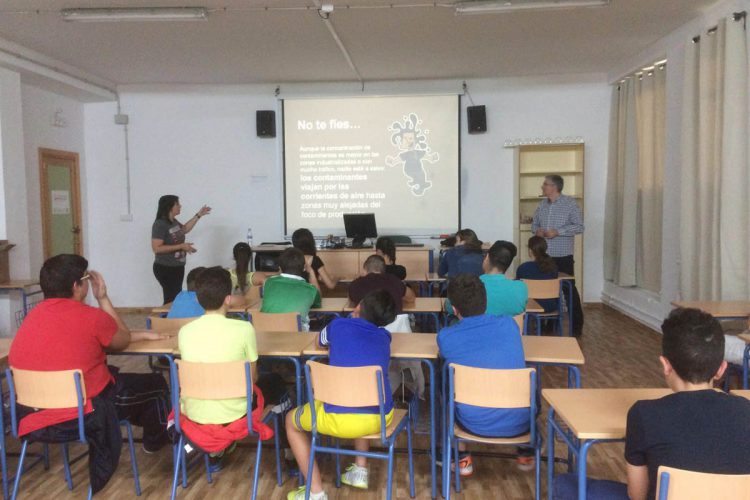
(533, 163)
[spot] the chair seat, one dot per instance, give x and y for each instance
(398, 416)
(545, 314)
(462, 434)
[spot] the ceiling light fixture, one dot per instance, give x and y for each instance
(501, 6)
(139, 14)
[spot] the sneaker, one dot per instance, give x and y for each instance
(525, 463)
(285, 403)
(299, 494)
(465, 464)
(215, 463)
(355, 476)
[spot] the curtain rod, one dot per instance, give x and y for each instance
(737, 16)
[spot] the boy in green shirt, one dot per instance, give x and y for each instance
(289, 292)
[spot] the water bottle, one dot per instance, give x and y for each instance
(250, 236)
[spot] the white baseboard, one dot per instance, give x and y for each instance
(650, 318)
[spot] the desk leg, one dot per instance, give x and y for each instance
(574, 377)
(3, 452)
(582, 456)
(569, 285)
(433, 424)
(745, 361)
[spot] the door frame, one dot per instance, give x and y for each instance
(47, 156)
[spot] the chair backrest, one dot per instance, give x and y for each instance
(276, 322)
(213, 380)
(520, 320)
(678, 484)
(492, 388)
(543, 289)
(342, 386)
(168, 325)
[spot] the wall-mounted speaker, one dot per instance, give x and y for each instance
(265, 123)
(477, 119)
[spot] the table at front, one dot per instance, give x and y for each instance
(592, 416)
(21, 286)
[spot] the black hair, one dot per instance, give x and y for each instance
(304, 240)
(512, 248)
(292, 261)
(243, 254)
(467, 294)
(374, 264)
(212, 286)
(470, 240)
(166, 203)
(500, 257)
(556, 180)
(60, 273)
(378, 308)
(387, 246)
(538, 247)
(192, 276)
(693, 342)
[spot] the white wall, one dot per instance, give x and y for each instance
(200, 143)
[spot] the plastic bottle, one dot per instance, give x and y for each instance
(250, 236)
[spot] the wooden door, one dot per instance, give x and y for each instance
(61, 202)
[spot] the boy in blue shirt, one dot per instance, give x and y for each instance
(186, 304)
(357, 341)
(482, 340)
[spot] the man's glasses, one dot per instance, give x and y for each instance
(86, 276)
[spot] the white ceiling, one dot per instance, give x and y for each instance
(245, 45)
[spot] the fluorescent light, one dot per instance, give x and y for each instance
(500, 6)
(135, 14)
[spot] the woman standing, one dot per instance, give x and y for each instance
(169, 246)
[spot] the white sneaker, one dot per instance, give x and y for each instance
(355, 476)
(299, 494)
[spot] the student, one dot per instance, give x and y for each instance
(186, 304)
(387, 249)
(696, 428)
(303, 239)
(63, 333)
(483, 341)
(357, 341)
(374, 278)
(464, 258)
(289, 292)
(541, 267)
(242, 278)
(214, 338)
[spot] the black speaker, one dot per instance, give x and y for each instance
(477, 119)
(265, 123)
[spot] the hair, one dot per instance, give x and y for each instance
(468, 295)
(166, 203)
(378, 308)
(538, 247)
(192, 276)
(243, 254)
(304, 240)
(292, 261)
(500, 257)
(512, 248)
(212, 286)
(557, 180)
(374, 264)
(60, 273)
(693, 342)
(469, 239)
(387, 246)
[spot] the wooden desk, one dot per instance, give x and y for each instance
(592, 415)
(719, 309)
(428, 306)
(333, 305)
(4, 350)
(21, 286)
(557, 350)
(163, 310)
(532, 306)
(741, 393)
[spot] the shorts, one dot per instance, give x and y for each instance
(342, 425)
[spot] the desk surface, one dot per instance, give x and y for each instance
(18, 284)
(718, 308)
(269, 344)
(552, 350)
(597, 413)
(403, 345)
(4, 349)
(420, 305)
(234, 309)
(532, 306)
(742, 393)
(281, 248)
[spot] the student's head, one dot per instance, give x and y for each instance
(378, 308)
(292, 261)
(554, 183)
(374, 264)
(166, 204)
(303, 239)
(385, 247)
(242, 256)
(692, 346)
(468, 238)
(512, 248)
(192, 276)
(62, 275)
(498, 259)
(467, 295)
(538, 252)
(212, 287)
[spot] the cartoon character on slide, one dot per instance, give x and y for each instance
(414, 151)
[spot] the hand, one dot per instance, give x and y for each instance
(205, 210)
(551, 233)
(308, 263)
(540, 232)
(188, 247)
(98, 286)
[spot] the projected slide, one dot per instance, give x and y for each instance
(394, 156)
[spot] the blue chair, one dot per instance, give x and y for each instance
(55, 389)
(502, 389)
(215, 381)
(546, 289)
(355, 387)
(678, 484)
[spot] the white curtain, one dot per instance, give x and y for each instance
(635, 180)
(715, 182)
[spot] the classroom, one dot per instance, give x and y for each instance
(268, 112)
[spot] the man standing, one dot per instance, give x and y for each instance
(558, 219)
